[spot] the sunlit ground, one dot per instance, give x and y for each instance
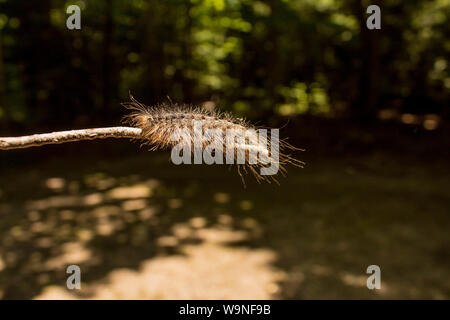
(142, 228)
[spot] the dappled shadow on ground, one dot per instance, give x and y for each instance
(133, 235)
(141, 228)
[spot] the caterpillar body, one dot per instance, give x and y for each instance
(198, 130)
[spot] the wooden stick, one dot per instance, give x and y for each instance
(36, 140)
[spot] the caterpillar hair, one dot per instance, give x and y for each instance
(161, 123)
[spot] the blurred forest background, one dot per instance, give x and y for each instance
(256, 58)
(370, 106)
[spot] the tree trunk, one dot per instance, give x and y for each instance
(368, 93)
(107, 53)
(3, 98)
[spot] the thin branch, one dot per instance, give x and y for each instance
(37, 140)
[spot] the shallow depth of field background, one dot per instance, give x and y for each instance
(371, 108)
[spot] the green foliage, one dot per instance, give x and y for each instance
(255, 57)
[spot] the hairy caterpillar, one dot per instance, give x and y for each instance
(201, 132)
(161, 123)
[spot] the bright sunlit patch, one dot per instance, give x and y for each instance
(214, 235)
(55, 184)
(71, 253)
(231, 272)
(105, 227)
(147, 213)
(225, 219)
(106, 211)
(167, 241)
(387, 114)
(409, 118)
(93, 199)
(135, 191)
(197, 222)
(353, 280)
(2, 264)
(431, 121)
(85, 235)
(430, 124)
(133, 205)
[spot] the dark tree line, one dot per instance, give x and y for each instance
(257, 58)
